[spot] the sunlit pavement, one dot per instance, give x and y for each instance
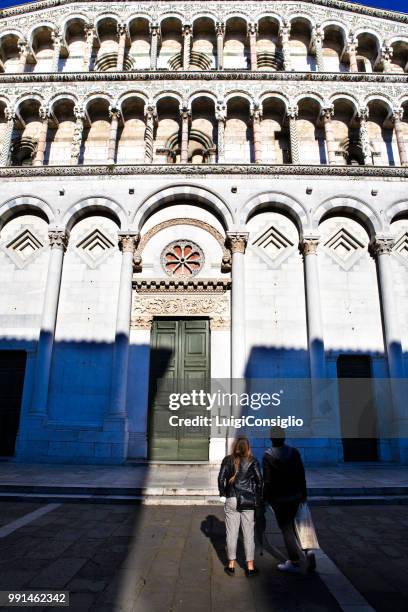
(148, 559)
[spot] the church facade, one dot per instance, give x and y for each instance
(199, 191)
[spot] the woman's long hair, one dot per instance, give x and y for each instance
(241, 450)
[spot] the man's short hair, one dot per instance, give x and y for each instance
(277, 436)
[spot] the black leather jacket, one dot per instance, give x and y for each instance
(248, 478)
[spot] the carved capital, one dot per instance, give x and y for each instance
(79, 113)
(237, 241)
(56, 37)
(256, 113)
(381, 245)
(221, 111)
(185, 113)
(43, 113)
(308, 245)
(252, 29)
(397, 114)
(327, 112)
(363, 114)
(58, 239)
(293, 112)
(114, 112)
(284, 33)
(121, 29)
(154, 29)
(220, 28)
(9, 113)
(128, 241)
(23, 48)
(187, 29)
(150, 112)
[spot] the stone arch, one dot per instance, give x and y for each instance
(132, 94)
(94, 205)
(395, 210)
(177, 192)
(226, 255)
(202, 94)
(200, 15)
(283, 202)
(271, 15)
(22, 204)
(61, 96)
(352, 206)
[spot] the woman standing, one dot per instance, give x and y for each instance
(240, 486)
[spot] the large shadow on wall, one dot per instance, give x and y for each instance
(118, 558)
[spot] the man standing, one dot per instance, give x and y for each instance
(284, 490)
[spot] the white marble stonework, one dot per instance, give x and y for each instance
(273, 135)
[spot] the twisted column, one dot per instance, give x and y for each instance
(292, 114)
(185, 120)
(220, 33)
(154, 44)
(402, 148)
(90, 35)
(327, 114)
(57, 41)
(128, 242)
(121, 46)
(364, 138)
(386, 55)
(352, 53)
(221, 117)
(114, 114)
(7, 136)
(23, 53)
(257, 131)
(150, 117)
(187, 31)
(77, 137)
(58, 243)
(252, 33)
(237, 242)
(42, 139)
(317, 42)
(284, 37)
(381, 249)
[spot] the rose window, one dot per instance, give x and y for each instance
(182, 258)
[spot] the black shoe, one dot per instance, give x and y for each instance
(229, 570)
(251, 572)
(311, 562)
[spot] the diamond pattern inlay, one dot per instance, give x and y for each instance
(273, 242)
(95, 247)
(401, 246)
(23, 248)
(343, 244)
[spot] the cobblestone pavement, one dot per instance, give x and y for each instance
(369, 544)
(145, 559)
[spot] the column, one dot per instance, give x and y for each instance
(327, 114)
(77, 137)
(308, 248)
(185, 119)
(57, 40)
(292, 114)
(402, 148)
(89, 44)
(220, 32)
(284, 37)
(58, 244)
(121, 46)
(364, 138)
(252, 33)
(7, 136)
(385, 57)
(381, 249)
(257, 131)
(114, 114)
(237, 242)
(352, 53)
(187, 31)
(317, 43)
(150, 117)
(42, 139)
(127, 243)
(23, 53)
(154, 44)
(221, 116)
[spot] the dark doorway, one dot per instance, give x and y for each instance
(357, 411)
(12, 370)
(179, 363)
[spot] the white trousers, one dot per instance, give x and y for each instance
(233, 521)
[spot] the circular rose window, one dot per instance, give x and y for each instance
(182, 258)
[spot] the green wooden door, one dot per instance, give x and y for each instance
(179, 363)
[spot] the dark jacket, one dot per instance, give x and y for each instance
(284, 475)
(248, 479)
